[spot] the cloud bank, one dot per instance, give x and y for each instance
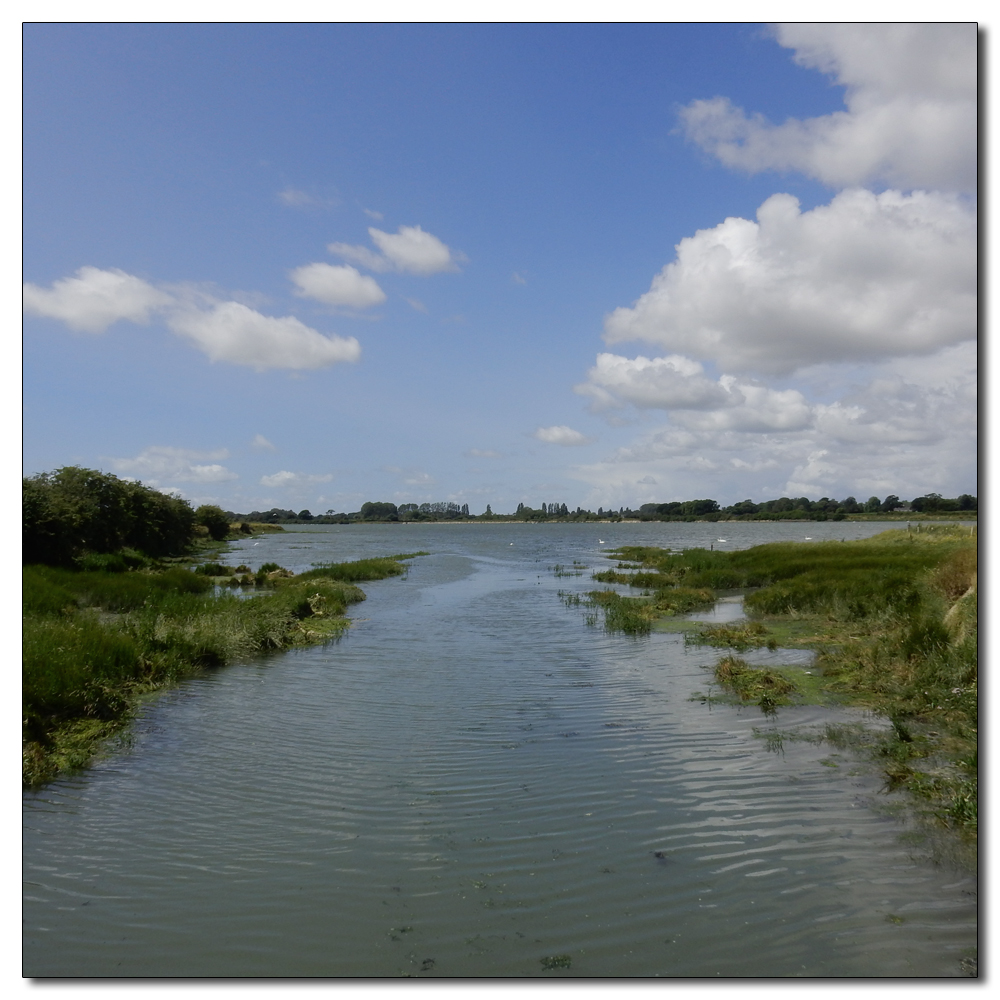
(842, 337)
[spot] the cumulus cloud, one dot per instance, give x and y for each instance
(910, 119)
(868, 301)
(866, 277)
(94, 299)
(561, 434)
(409, 249)
(285, 480)
(908, 429)
(340, 285)
(261, 443)
(674, 382)
(225, 331)
(159, 464)
(233, 332)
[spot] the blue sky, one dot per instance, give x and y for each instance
(312, 265)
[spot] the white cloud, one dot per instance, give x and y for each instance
(865, 277)
(261, 443)
(561, 434)
(232, 332)
(417, 305)
(483, 453)
(225, 331)
(158, 464)
(911, 109)
(409, 249)
(518, 279)
(411, 477)
(372, 214)
(294, 198)
(666, 383)
(95, 299)
(910, 428)
(340, 285)
(285, 479)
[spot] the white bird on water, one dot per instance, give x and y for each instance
(721, 539)
(600, 541)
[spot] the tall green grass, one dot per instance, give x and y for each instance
(93, 641)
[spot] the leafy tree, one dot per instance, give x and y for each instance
(213, 518)
(890, 503)
(73, 510)
(872, 505)
(378, 511)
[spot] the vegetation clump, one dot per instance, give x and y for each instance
(740, 636)
(757, 684)
(630, 615)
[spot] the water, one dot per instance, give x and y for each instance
(473, 782)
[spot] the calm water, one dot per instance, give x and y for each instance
(473, 781)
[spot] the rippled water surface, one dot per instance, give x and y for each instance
(474, 782)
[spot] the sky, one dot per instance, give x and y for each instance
(310, 265)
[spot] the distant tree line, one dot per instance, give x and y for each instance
(75, 513)
(784, 508)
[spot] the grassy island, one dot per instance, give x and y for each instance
(892, 618)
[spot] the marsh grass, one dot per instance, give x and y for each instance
(894, 621)
(631, 615)
(767, 688)
(94, 642)
(740, 636)
(361, 570)
(559, 570)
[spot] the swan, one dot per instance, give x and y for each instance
(600, 541)
(721, 539)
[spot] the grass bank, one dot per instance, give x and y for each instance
(893, 620)
(97, 639)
